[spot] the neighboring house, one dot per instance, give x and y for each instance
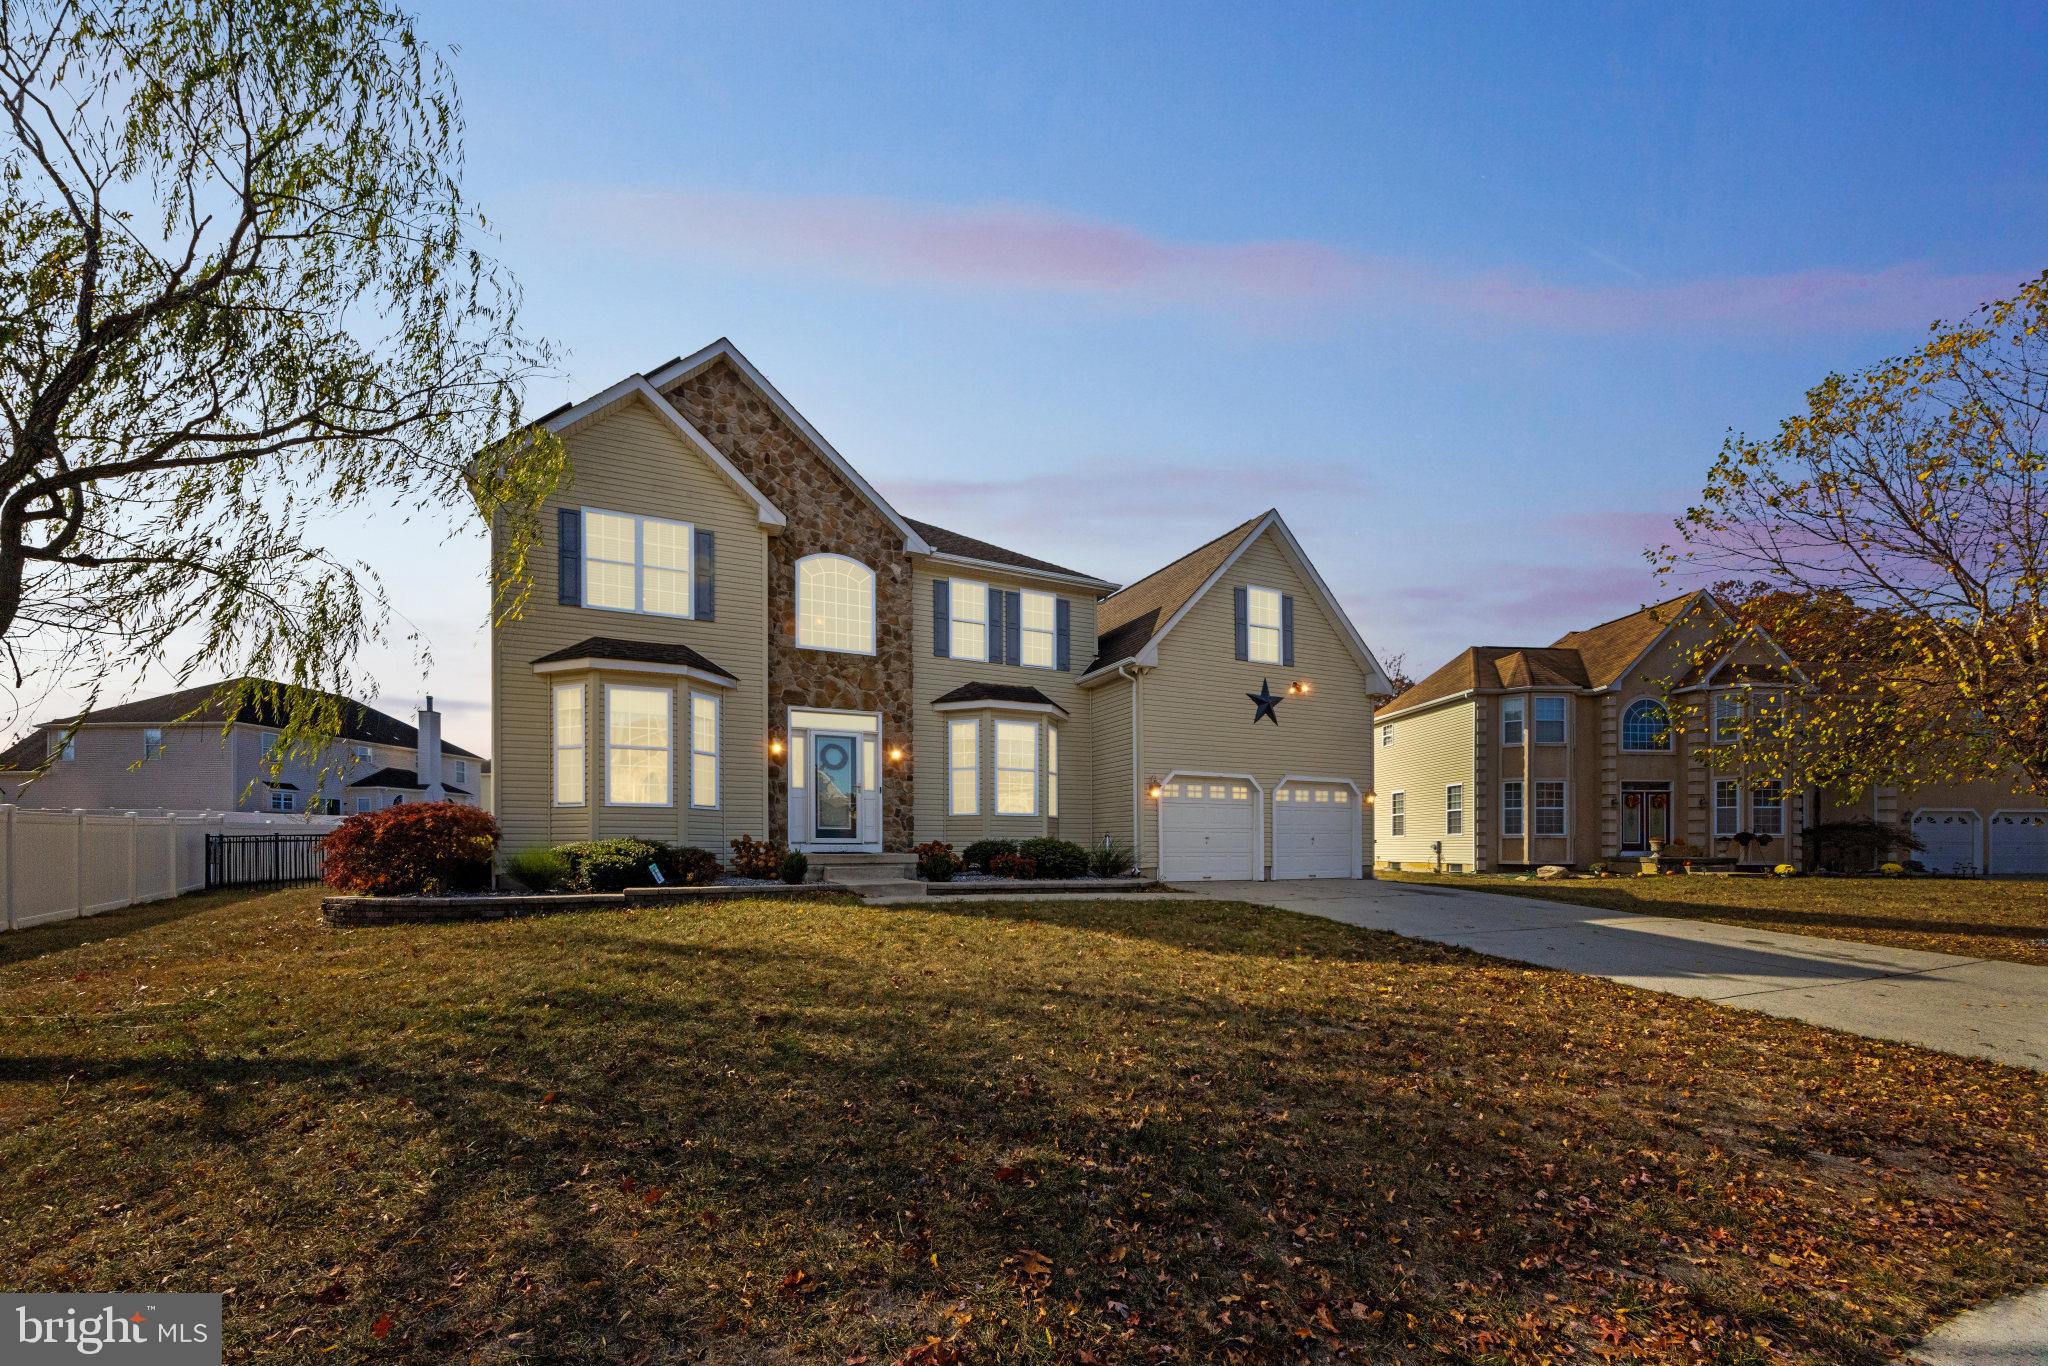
(1995, 826)
(735, 634)
(181, 751)
(1519, 756)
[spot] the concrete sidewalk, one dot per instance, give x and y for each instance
(1973, 1006)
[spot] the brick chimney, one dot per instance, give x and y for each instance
(427, 765)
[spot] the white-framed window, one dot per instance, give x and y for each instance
(1727, 807)
(1454, 809)
(1511, 808)
(569, 763)
(1727, 716)
(637, 564)
(270, 743)
(1038, 628)
(281, 800)
(1052, 770)
(1397, 813)
(1646, 727)
(68, 752)
(1767, 808)
(1016, 768)
(1262, 625)
(703, 750)
(968, 633)
(1512, 711)
(636, 745)
(362, 805)
(1386, 736)
(963, 768)
(1546, 726)
(835, 605)
(152, 743)
(461, 770)
(360, 756)
(1547, 814)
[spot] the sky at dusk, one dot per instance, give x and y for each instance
(1472, 294)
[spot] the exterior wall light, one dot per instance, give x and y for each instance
(1152, 788)
(895, 754)
(775, 747)
(1369, 798)
(1300, 687)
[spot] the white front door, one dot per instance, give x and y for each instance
(1315, 831)
(1208, 830)
(835, 780)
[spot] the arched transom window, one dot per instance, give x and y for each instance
(835, 604)
(1646, 725)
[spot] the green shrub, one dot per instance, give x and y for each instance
(928, 849)
(761, 859)
(538, 870)
(1055, 858)
(938, 867)
(796, 866)
(1111, 858)
(688, 866)
(981, 853)
(612, 865)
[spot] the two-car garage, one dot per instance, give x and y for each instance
(1212, 828)
(2009, 843)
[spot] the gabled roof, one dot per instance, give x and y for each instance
(1128, 620)
(723, 349)
(1597, 657)
(954, 545)
(636, 388)
(665, 654)
(1016, 694)
(202, 706)
(1131, 623)
(26, 753)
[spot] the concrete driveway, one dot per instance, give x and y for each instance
(1973, 1006)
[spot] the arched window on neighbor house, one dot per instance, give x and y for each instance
(1646, 726)
(835, 604)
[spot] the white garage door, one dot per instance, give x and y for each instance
(2019, 843)
(1315, 831)
(1206, 828)
(1952, 841)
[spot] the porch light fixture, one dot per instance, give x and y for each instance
(895, 754)
(1369, 798)
(1299, 688)
(775, 747)
(1152, 788)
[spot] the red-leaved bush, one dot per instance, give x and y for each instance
(420, 847)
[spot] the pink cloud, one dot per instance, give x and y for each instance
(1015, 248)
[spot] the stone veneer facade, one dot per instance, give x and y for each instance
(827, 514)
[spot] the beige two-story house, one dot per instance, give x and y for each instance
(734, 633)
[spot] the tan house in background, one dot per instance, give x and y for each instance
(735, 634)
(1519, 756)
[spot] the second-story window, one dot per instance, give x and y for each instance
(462, 770)
(1262, 625)
(1039, 617)
(1511, 714)
(1727, 717)
(1547, 720)
(969, 633)
(152, 743)
(835, 604)
(636, 564)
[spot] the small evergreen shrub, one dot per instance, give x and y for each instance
(1111, 858)
(926, 851)
(613, 865)
(538, 870)
(1055, 858)
(754, 858)
(796, 866)
(980, 854)
(938, 867)
(418, 849)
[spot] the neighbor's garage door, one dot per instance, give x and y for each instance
(1206, 828)
(1952, 840)
(1315, 831)
(2019, 842)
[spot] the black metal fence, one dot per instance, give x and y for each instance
(250, 860)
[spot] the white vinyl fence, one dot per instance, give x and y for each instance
(59, 865)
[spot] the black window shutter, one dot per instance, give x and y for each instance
(942, 617)
(1013, 628)
(569, 556)
(996, 638)
(1287, 629)
(1063, 647)
(1240, 622)
(706, 607)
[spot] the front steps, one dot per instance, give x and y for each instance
(871, 876)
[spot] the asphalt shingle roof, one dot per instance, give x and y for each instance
(1127, 619)
(636, 652)
(1000, 692)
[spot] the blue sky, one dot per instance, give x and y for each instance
(1471, 293)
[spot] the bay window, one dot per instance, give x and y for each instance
(703, 750)
(636, 759)
(568, 744)
(1016, 768)
(963, 768)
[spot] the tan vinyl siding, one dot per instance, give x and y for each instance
(934, 677)
(1195, 716)
(1431, 751)
(1109, 720)
(629, 460)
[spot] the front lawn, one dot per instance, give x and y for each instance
(1974, 917)
(1099, 1131)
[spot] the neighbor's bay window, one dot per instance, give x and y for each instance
(1512, 710)
(636, 564)
(636, 753)
(568, 744)
(1767, 809)
(1727, 717)
(1547, 725)
(1549, 808)
(1511, 808)
(1016, 768)
(1727, 807)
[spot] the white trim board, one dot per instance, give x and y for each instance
(724, 349)
(590, 664)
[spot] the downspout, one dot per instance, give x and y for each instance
(1131, 674)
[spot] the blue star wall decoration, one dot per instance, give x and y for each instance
(1265, 701)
